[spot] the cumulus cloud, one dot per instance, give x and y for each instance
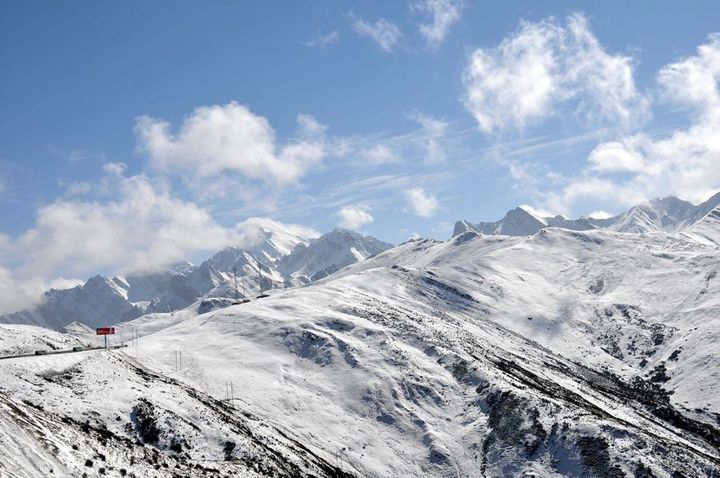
(543, 65)
(142, 228)
(615, 156)
(684, 162)
(420, 203)
(355, 216)
(230, 138)
(442, 15)
(323, 40)
(16, 294)
(433, 130)
(138, 226)
(383, 32)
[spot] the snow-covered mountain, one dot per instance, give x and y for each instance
(276, 259)
(329, 253)
(669, 214)
(564, 353)
(99, 300)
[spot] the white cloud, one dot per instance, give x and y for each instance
(616, 157)
(693, 81)
(16, 294)
(420, 203)
(600, 215)
(323, 40)
(383, 32)
(433, 130)
(379, 154)
(309, 128)
(541, 213)
(546, 64)
(114, 169)
(355, 216)
(443, 14)
(76, 155)
(222, 138)
(141, 228)
(252, 231)
(685, 162)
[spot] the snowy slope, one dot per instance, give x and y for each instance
(559, 354)
(103, 414)
(26, 339)
(480, 355)
(707, 229)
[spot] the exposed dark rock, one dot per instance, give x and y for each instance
(143, 417)
(596, 457)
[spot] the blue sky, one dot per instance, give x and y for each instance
(392, 118)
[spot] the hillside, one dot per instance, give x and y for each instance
(564, 353)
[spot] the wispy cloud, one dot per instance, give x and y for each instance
(433, 130)
(383, 32)
(379, 154)
(323, 40)
(443, 14)
(75, 155)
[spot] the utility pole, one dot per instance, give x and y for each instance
(235, 286)
(260, 276)
(178, 360)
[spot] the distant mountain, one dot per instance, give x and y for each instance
(277, 259)
(668, 214)
(521, 222)
(329, 253)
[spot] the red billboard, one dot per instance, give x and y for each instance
(105, 331)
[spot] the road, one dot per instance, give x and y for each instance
(56, 352)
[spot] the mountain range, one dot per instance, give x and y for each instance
(281, 258)
(561, 353)
(277, 259)
(670, 214)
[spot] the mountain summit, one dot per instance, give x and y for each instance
(670, 214)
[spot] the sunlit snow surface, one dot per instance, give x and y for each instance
(482, 355)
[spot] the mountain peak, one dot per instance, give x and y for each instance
(669, 214)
